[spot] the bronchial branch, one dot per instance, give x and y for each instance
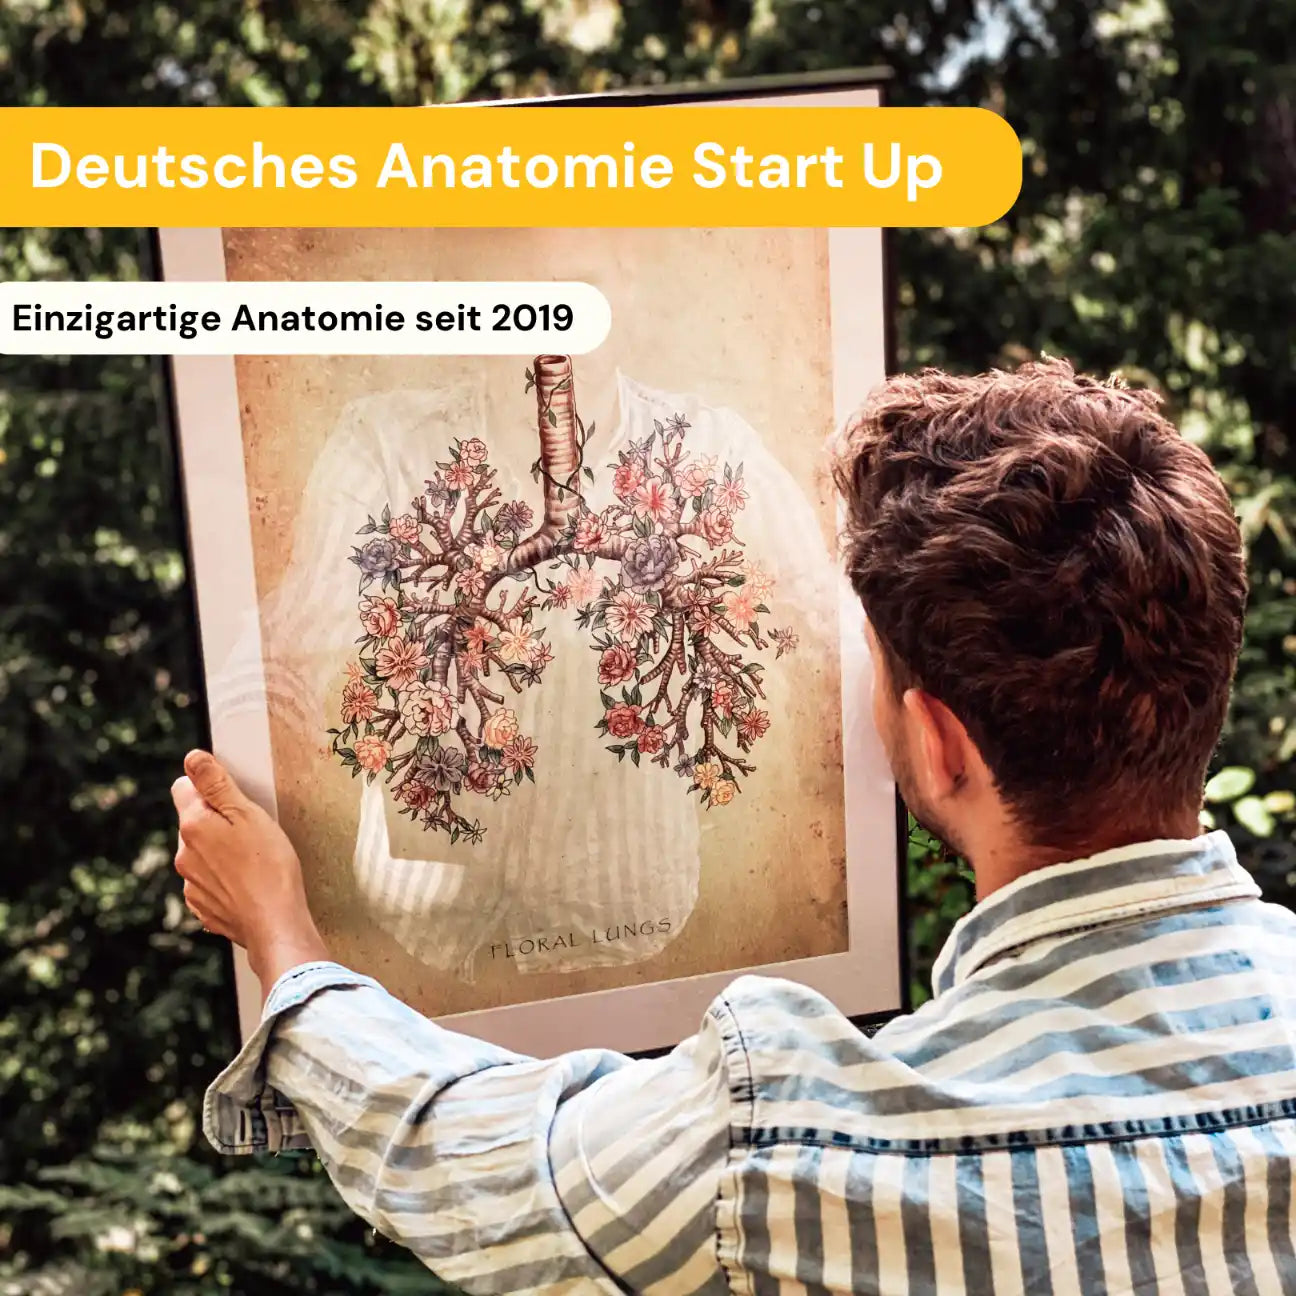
(452, 592)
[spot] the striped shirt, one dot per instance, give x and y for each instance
(1100, 1099)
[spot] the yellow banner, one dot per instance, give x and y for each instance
(563, 167)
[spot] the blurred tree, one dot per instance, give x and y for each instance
(1154, 233)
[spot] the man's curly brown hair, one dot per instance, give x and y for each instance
(1047, 556)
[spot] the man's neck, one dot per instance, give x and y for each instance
(1005, 857)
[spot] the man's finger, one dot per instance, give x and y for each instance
(187, 861)
(213, 782)
(184, 794)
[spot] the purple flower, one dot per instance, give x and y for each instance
(514, 516)
(377, 558)
(443, 768)
(648, 561)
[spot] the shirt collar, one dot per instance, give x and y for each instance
(1135, 881)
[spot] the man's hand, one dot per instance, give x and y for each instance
(242, 876)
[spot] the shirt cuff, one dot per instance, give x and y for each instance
(241, 1111)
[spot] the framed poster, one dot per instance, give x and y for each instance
(546, 664)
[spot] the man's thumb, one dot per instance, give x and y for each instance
(212, 781)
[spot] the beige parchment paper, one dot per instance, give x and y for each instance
(729, 328)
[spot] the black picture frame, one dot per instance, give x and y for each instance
(874, 78)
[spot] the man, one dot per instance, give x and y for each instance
(1102, 1096)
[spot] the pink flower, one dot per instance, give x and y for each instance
(651, 739)
(471, 661)
(628, 616)
(723, 792)
(404, 528)
(540, 654)
(759, 582)
(483, 779)
(520, 754)
(753, 724)
(730, 495)
(583, 585)
(694, 480)
(653, 500)
(624, 721)
(379, 616)
(371, 753)
(740, 607)
(616, 665)
(478, 635)
(589, 533)
(471, 582)
(627, 479)
(561, 595)
(705, 618)
(473, 451)
(428, 709)
(515, 645)
(500, 729)
(416, 794)
(399, 662)
(717, 525)
(460, 476)
(359, 702)
(722, 698)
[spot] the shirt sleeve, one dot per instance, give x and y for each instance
(502, 1173)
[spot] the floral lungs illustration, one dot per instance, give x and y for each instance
(454, 592)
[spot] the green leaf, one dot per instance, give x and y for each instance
(1252, 814)
(553, 418)
(1230, 783)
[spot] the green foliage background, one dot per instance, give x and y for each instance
(1154, 233)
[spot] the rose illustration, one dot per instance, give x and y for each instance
(377, 558)
(651, 739)
(616, 665)
(500, 729)
(624, 721)
(717, 525)
(589, 533)
(627, 479)
(404, 528)
(379, 616)
(416, 794)
(371, 753)
(648, 561)
(428, 709)
(483, 779)
(723, 792)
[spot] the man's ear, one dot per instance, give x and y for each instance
(943, 750)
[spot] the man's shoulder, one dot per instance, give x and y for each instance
(1175, 1023)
